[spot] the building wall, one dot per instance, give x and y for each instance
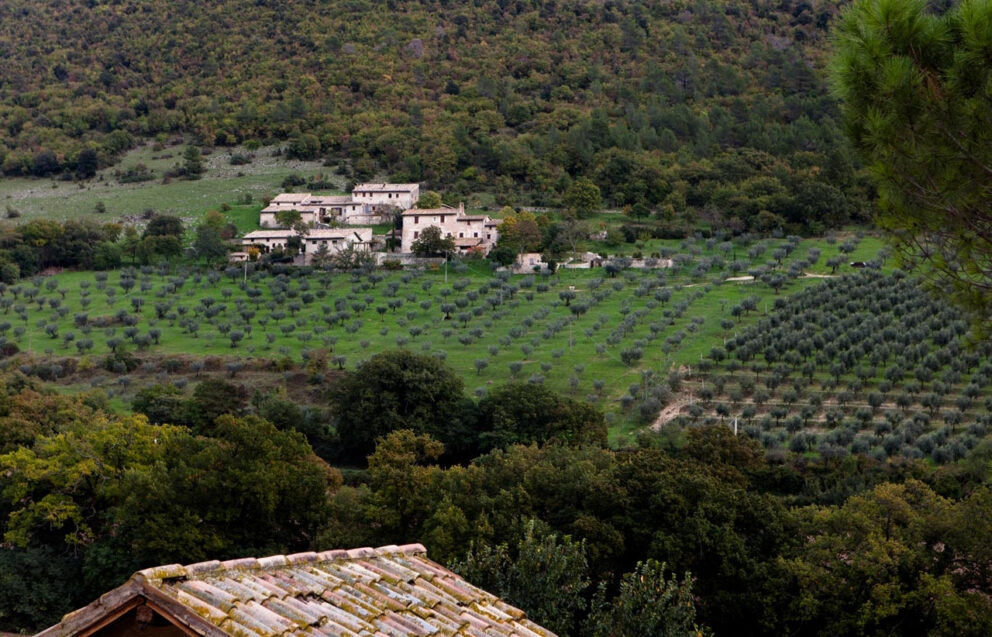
(353, 214)
(311, 244)
(413, 225)
(452, 225)
(404, 200)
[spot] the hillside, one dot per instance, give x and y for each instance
(674, 109)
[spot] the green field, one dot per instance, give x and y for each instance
(498, 327)
(222, 183)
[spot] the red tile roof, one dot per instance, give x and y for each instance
(393, 590)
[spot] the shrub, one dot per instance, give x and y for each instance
(120, 362)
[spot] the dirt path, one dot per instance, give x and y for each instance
(669, 412)
(806, 275)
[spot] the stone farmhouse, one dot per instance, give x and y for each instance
(389, 591)
(322, 209)
(366, 205)
(336, 240)
(402, 196)
(470, 232)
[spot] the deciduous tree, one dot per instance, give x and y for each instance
(429, 200)
(433, 243)
(395, 390)
(582, 198)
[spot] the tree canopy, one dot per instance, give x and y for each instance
(523, 413)
(105, 497)
(394, 390)
(582, 198)
(914, 81)
(432, 243)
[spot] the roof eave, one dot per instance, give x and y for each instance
(99, 613)
(113, 605)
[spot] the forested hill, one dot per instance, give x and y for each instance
(667, 106)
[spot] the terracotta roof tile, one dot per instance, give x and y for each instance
(299, 615)
(352, 603)
(211, 613)
(449, 585)
(393, 590)
(333, 630)
(240, 591)
(262, 589)
(272, 560)
(489, 610)
(203, 567)
(396, 624)
(302, 558)
(236, 629)
(254, 614)
(429, 595)
(306, 582)
(451, 614)
(512, 611)
(341, 617)
(427, 566)
(244, 562)
(209, 594)
(267, 583)
(361, 553)
(377, 599)
(532, 628)
(163, 572)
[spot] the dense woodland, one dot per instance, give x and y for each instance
(686, 528)
(675, 109)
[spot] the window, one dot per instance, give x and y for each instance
(416, 219)
(415, 234)
(475, 234)
(461, 235)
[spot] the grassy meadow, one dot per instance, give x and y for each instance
(221, 183)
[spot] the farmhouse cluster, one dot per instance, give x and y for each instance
(345, 222)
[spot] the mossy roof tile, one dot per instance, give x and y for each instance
(393, 590)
